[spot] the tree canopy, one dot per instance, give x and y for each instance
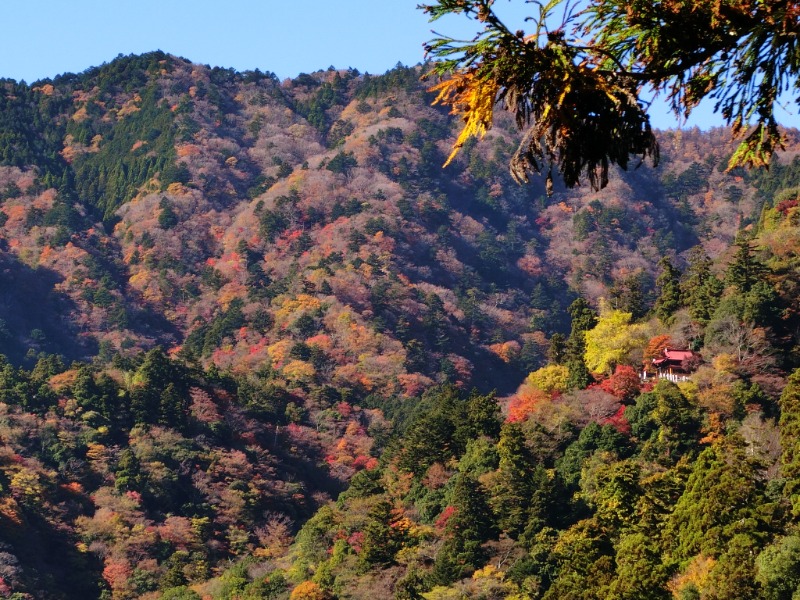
(611, 341)
(578, 81)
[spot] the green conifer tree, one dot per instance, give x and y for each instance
(669, 291)
(514, 489)
(700, 288)
(789, 427)
(470, 525)
(744, 270)
(724, 498)
(583, 319)
(379, 544)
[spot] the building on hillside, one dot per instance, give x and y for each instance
(676, 365)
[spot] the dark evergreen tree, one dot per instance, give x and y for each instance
(593, 437)
(700, 288)
(521, 492)
(583, 556)
(435, 322)
(539, 298)
(744, 269)
(640, 573)
(665, 423)
(342, 163)
(430, 436)
(85, 390)
(159, 389)
(380, 543)
(173, 407)
(629, 294)
(724, 498)
(557, 350)
(761, 305)
(584, 318)
(734, 574)
(470, 525)
(128, 476)
(789, 426)
(669, 291)
(167, 218)
(483, 415)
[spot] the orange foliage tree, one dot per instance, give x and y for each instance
(524, 402)
(655, 348)
(308, 590)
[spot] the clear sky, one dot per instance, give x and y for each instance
(44, 38)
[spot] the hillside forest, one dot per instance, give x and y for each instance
(258, 343)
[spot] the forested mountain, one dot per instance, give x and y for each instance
(228, 300)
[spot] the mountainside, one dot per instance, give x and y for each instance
(268, 288)
(174, 204)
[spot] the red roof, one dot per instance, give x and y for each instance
(677, 354)
(673, 357)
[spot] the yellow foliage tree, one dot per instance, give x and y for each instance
(291, 308)
(441, 592)
(299, 371)
(490, 582)
(612, 340)
(25, 485)
(549, 379)
(279, 351)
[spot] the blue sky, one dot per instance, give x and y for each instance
(44, 38)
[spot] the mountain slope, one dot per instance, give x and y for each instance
(315, 202)
(266, 279)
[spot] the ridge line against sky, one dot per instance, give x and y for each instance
(45, 38)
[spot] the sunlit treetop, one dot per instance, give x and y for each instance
(576, 81)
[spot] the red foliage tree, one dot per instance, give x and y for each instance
(618, 421)
(624, 383)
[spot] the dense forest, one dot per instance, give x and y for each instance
(257, 343)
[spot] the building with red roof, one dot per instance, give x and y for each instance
(676, 362)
